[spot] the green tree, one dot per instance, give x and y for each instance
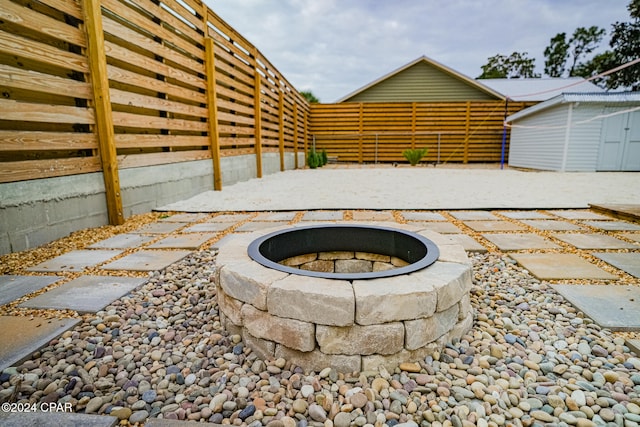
(556, 55)
(516, 65)
(564, 58)
(310, 97)
(625, 47)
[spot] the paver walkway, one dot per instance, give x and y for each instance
(592, 248)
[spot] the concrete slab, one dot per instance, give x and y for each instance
(631, 236)
(519, 241)
(524, 215)
(493, 226)
(629, 212)
(468, 243)
(627, 261)
(146, 260)
(422, 216)
(76, 260)
(578, 214)
(551, 225)
(49, 418)
(184, 217)
(235, 217)
(162, 422)
(21, 336)
(437, 226)
(373, 216)
(122, 241)
(86, 294)
(616, 307)
(208, 227)
(183, 241)
(160, 227)
(554, 266)
(323, 216)
(276, 216)
(14, 287)
(614, 225)
(594, 241)
(473, 215)
(634, 345)
(260, 225)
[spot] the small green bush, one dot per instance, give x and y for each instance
(324, 157)
(414, 155)
(313, 159)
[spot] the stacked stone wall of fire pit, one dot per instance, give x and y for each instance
(350, 326)
(344, 262)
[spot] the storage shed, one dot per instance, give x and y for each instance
(578, 132)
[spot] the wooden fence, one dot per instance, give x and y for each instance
(379, 132)
(103, 85)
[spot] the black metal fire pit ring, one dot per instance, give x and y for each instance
(413, 248)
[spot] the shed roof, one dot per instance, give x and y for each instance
(632, 98)
(539, 89)
(435, 64)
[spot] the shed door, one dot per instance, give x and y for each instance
(620, 142)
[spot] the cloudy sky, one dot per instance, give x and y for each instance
(333, 47)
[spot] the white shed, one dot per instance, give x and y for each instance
(578, 132)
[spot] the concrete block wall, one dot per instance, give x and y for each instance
(35, 212)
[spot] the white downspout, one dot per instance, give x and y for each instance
(567, 135)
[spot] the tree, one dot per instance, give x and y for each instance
(556, 55)
(564, 57)
(309, 96)
(625, 45)
(517, 65)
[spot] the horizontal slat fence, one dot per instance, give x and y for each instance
(379, 132)
(179, 84)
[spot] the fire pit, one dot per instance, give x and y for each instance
(352, 297)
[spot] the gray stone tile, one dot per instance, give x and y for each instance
(437, 226)
(146, 260)
(493, 226)
(14, 287)
(594, 241)
(276, 216)
(21, 336)
(614, 225)
(183, 241)
(52, 418)
(551, 225)
(519, 241)
(578, 214)
(323, 216)
(616, 307)
(468, 243)
(122, 241)
(207, 227)
(86, 294)
(373, 216)
(627, 261)
(236, 217)
(634, 345)
(473, 215)
(631, 236)
(524, 215)
(554, 266)
(76, 260)
(260, 225)
(160, 227)
(422, 216)
(185, 217)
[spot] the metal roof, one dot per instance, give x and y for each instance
(593, 98)
(539, 89)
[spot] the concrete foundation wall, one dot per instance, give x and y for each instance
(36, 212)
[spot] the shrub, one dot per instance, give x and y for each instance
(324, 157)
(414, 155)
(313, 159)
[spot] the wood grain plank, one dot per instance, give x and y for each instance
(152, 122)
(41, 82)
(156, 141)
(38, 141)
(37, 169)
(155, 103)
(29, 112)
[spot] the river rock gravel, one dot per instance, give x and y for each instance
(530, 359)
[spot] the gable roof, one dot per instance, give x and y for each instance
(539, 89)
(474, 84)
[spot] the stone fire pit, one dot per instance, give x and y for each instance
(401, 308)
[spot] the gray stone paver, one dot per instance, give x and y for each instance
(76, 260)
(493, 226)
(51, 418)
(323, 216)
(524, 215)
(594, 241)
(13, 287)
(184, 217)
(208, 227)
(146, 260)
(634, 345)
(160, 227)
(554, 266)
(423, 216)
(578, 214)
(468, 243)
(473, 215)
(372, 216)
(631, 236)
(86, 294)
(614, 225)
(275, 216)
(519, 241)
(625, 261)
(123, 241)
(437, 226)
(233, 217)
(616, 307)
(183, 241)
(260, 225)
(551, 225)
(20, 336)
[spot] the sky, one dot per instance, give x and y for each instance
(334, 47)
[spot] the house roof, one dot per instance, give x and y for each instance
(453, 73)
(589, 97)
(539, 89)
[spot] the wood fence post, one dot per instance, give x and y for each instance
(360, 130)
(413, 125)
(467, 126)
(102, 104)
(212, 109)
(306, 137)
(257, 117)
(295, 135)
(281, 128)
